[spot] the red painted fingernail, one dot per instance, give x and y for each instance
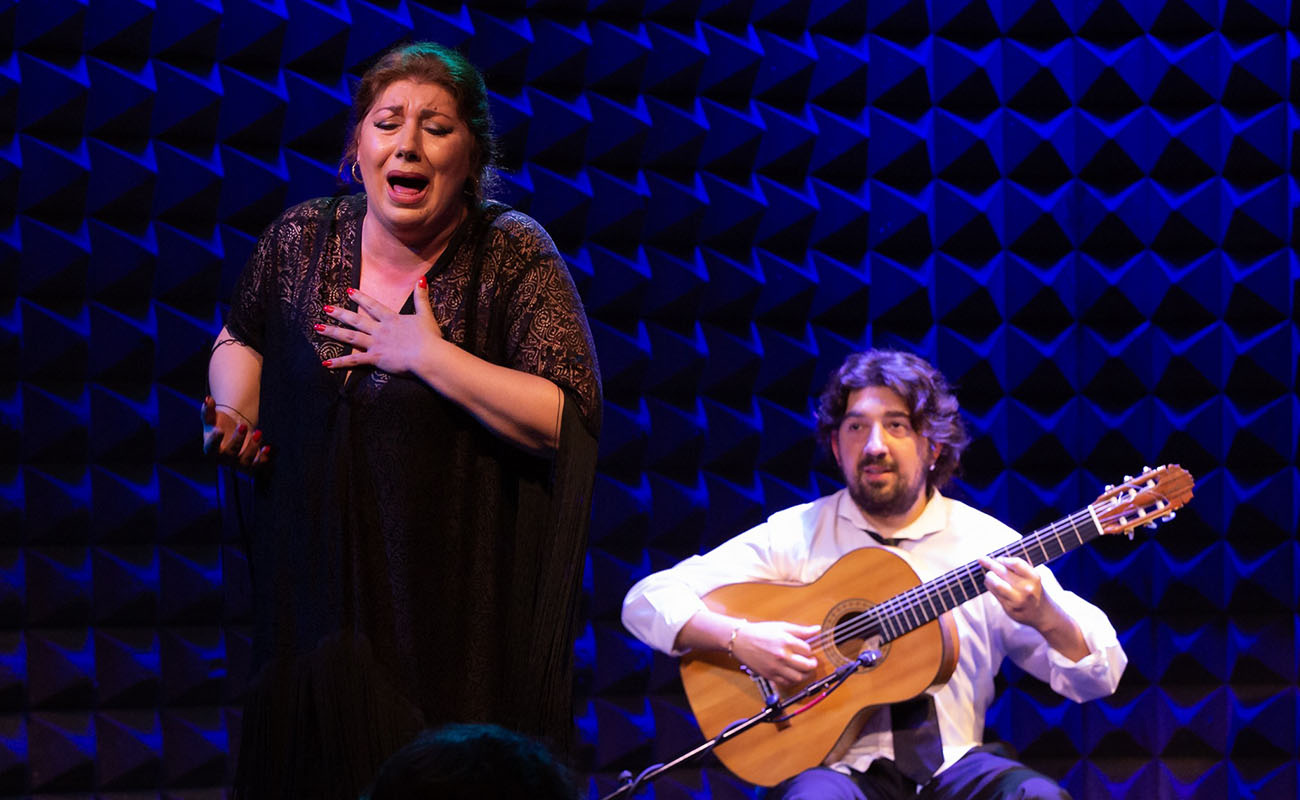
(241, 429)
(319, 327)
(329, 309)
(327, 362)
(257, 436)
(423, 284)
(351, 291)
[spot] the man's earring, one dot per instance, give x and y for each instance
(356, 177)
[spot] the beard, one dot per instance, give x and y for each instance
(884, 499)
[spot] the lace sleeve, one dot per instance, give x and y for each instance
(278, 271)
(548, 333)
(249, 305)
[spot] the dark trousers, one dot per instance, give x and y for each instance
(981, 774)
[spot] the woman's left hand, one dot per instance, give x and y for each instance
(381, 337)
(520, 407)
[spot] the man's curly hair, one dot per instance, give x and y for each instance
(931, 403)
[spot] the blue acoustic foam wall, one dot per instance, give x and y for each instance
(1084, 211)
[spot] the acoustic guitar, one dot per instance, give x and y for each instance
(871, 598)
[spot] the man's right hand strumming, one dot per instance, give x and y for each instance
(778, 651)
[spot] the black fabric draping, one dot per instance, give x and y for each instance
(409, 568)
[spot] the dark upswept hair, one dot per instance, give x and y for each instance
(930, 402)
(427, 62)
(472, 762)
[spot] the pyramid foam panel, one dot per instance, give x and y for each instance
(1084, 213)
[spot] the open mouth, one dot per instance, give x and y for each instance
(407, 184)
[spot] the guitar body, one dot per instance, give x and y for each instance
(720, 693)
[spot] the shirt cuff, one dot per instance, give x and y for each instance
(674, 609)
(1095, 675)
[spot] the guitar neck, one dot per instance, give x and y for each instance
(927, 602)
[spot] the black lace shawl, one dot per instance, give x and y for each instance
(409, 568)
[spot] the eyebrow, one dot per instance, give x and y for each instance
(425, 113)
(888, 414)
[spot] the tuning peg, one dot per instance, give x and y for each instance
(1128, 478)
(1109, 487)
(1152, 523)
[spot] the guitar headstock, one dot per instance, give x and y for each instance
(1145, 500)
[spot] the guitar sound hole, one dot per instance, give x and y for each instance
(849, 642)
(849, 639)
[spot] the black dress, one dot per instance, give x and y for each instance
(409, 568)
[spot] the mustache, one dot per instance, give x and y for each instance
(876, 461)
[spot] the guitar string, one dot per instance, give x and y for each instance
(962, 578)
(912, 602)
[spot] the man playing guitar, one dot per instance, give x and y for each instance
(894, 429)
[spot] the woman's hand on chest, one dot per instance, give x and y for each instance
(383, 338)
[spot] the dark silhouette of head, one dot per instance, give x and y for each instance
(483, 762)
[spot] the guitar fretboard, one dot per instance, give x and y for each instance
(925, 603)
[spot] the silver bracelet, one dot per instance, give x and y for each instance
(236, 412)
(731, 643)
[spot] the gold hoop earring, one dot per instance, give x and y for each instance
(355, 177)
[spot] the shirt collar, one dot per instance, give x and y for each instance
(933, 519)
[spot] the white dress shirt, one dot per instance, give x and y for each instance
(797, 545)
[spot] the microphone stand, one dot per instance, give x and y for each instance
(774, 705)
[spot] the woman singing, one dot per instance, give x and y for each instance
(419, 361)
